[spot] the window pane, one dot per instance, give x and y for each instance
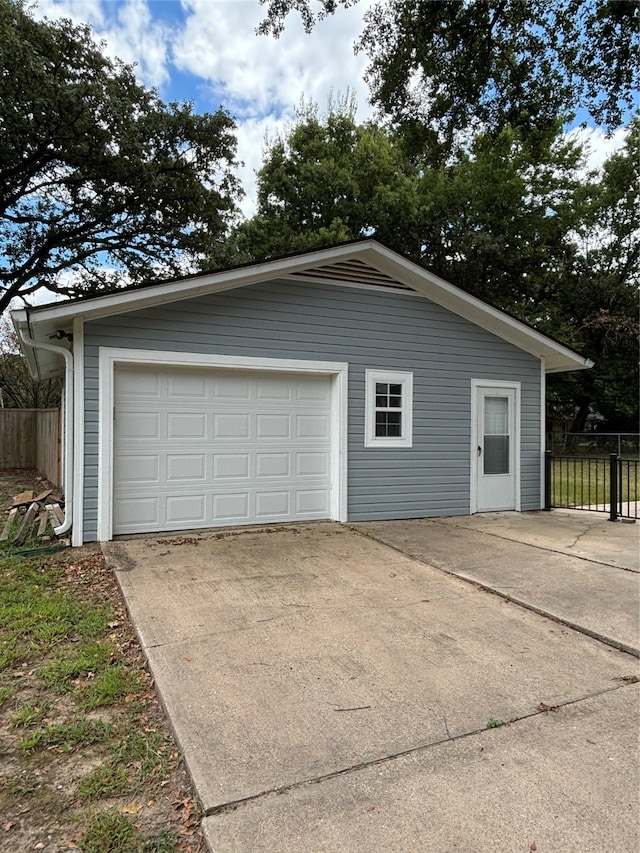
(496, 411)
(496, 454)
(395, 389)
(395, 402)
(388, 424)
(382, 388)
(381, 402)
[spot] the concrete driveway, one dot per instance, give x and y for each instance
(333, 693)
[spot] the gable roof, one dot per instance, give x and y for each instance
(364, 263)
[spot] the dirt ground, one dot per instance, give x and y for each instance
(64, 785)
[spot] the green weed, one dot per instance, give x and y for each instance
(5, 695)
(494, 724)
(110, 834)
(147, 750)
(109, 780)
(117, 834)
(30, 714)
(111, 685)
(66, 736)
(91, 657)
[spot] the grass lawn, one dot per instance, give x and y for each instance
(586, 482)
(88, 761)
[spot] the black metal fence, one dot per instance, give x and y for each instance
(595, 483)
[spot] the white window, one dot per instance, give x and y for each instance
(388, 409)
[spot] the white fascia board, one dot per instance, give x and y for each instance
(188, 288)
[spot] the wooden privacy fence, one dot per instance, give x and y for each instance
(32, 438)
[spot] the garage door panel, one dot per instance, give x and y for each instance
(211, 448)
(186, 425)
(139, 513)
(132, 383)
(231, 507)
(230, 465)
(232, 426)
(274, 389)
(181, 386)
(312, 426)
(312, 464)
(306, 392)
(310, 501)
(189, 509)
(227, 387)
(272, 504)
(186, 467)
(138, 424)
(137, 468)
(273, 426)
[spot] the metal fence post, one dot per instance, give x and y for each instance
(613, 487)
(548, 464)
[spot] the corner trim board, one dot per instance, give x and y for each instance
(77, 531)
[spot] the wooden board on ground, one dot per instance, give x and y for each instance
(42, 520)
(28, 519)
(56, 513)
(7, 525)
(23, 499)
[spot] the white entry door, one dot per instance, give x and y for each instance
(495, 447)
(204, 448)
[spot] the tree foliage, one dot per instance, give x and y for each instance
(441, 68)
(597, 298)
(18, 389)
(97, 175)
(514, 220)
(327, 181)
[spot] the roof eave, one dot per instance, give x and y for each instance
(46, 319)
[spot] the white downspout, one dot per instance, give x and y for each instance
(68, 426)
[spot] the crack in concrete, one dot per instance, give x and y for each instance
(542, 709)
(580, 535)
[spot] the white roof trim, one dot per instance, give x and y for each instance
(386, 265)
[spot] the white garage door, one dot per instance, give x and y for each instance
(202, 448)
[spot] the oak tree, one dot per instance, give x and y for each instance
(100, 181)
(441, 69)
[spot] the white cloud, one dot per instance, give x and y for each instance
(260, 79)
(128, 29)
(258, 75)
(598, 147)
(79, 11)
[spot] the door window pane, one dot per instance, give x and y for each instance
(496, 454)
(496, 435)
(496, 415)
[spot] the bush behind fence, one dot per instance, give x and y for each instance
(625, 444)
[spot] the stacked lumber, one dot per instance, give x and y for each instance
(32, 516)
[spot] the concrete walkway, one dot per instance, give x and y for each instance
(331, 693)
(576, 567)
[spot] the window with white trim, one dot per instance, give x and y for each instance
(388, 409)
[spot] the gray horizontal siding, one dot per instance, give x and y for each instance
(367, 329)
